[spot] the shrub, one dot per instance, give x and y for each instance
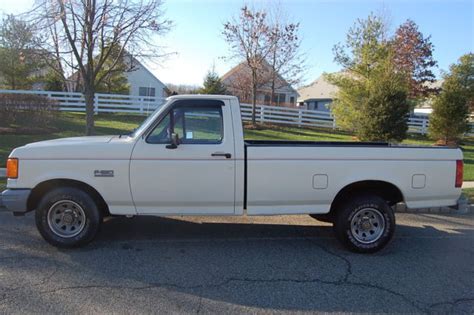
(26, 110)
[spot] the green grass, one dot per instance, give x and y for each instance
(72, 124)
(469, 192)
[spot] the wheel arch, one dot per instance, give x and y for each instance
(42, 188)
(388, 191)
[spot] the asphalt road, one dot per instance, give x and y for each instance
(238, 265)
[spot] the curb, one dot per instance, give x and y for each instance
(463, 207)
(468, 184)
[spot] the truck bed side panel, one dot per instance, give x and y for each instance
(306, 179)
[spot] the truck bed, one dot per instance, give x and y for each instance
(281, 179)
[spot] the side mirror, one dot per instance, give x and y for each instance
(174, 141)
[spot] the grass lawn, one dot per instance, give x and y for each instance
(469, 192)
(72, 124)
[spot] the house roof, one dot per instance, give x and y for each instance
(318, 90)
(137, 62)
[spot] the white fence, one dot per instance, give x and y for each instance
(114, 103)
(313, 118)
(103, 103)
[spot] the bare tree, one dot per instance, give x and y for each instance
(286, 60)
(250, 38)
(84, 34)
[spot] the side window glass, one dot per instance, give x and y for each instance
(201, 125)
(193, 125)
(162, 132)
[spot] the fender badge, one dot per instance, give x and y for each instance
(103, 173)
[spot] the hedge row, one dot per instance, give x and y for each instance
(26, 110)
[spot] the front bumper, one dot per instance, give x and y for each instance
(15, 200)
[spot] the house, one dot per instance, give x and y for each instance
(140, 80)
(239, 83)
(317, 95)
(144, 83)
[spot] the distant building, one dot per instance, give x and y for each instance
(317, 95)
(141, 81)
(144, 83)
(238, 82)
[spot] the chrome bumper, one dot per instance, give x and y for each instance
(14, 200)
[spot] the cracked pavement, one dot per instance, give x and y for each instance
(277, 264)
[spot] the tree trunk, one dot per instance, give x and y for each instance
(89, 95)
(254, 96)
(272, 96)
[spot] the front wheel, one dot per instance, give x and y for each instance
(68, 217)
(365, 224)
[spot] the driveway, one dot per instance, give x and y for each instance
(238, 265)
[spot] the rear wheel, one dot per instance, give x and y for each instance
(365, 224)
(68, 217)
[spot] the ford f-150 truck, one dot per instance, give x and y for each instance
(190, 158)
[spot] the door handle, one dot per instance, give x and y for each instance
(227, 155)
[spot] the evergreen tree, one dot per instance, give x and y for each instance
(18, 63)
(449, 120)
(372, 97)
(53, 81)
(386, 105)
(212, 84)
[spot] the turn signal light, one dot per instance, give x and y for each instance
(12, 168)
(459, 173)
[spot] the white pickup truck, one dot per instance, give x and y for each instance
(190, 158)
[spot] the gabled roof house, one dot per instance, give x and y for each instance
(238, 82)
(318, 95)
(142, 82)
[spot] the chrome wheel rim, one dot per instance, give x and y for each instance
(367, 225)
(66, 218)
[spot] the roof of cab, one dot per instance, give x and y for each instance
(201, 97)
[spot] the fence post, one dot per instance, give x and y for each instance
(262, 113)
(141, 102)
(423, 126)
(96, 104)
(300, 117)
(333, 122)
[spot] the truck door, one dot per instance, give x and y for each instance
(195, 177)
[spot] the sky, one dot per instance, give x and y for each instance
(195, 43)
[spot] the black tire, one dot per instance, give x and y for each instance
(362, 209)
(80, 200)
(326, 217)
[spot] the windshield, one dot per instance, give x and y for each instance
(148, 120)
